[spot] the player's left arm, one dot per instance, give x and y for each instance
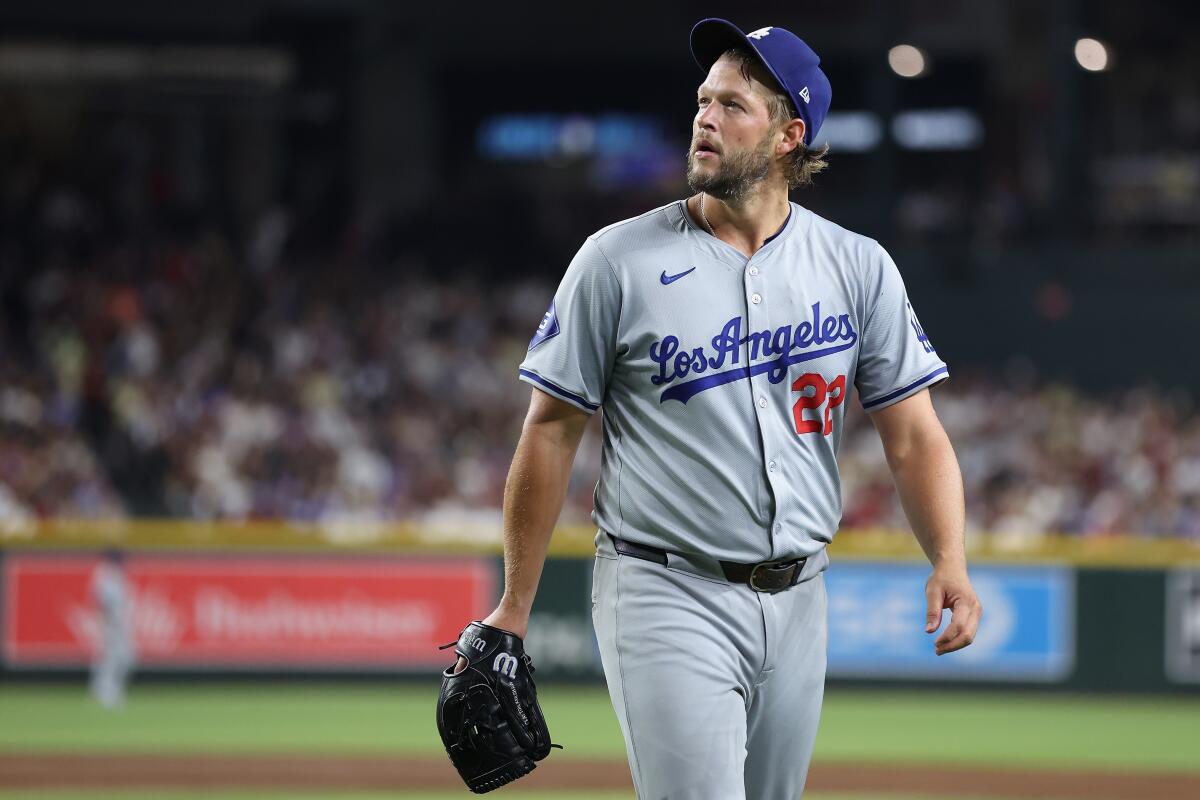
(930, 486)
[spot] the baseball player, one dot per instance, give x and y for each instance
(115, 656)
(722, 335)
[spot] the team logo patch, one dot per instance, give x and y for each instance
(916, 326)
(547, 329)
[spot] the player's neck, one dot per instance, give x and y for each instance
(746, 225)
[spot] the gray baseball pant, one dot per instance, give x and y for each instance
(717, 687)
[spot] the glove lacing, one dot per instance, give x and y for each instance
(475, 732)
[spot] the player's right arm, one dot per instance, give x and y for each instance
(533, 498)
(568, 363)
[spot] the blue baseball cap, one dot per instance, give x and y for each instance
(785, 55)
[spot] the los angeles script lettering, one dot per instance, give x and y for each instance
(674, 363)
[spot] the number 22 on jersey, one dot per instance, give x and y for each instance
(832, 391)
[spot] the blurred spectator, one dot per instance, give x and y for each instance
(46, 469)
(1039, 460)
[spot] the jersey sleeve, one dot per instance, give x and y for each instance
(571, 354)
(896, 358)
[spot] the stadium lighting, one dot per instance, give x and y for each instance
(908, 61)
(851, 131)
(938, 129)
(1092, 54)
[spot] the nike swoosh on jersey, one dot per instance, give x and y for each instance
(666, 279)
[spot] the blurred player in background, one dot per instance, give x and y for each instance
(115, 655)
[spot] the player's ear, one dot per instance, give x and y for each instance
(792, 136)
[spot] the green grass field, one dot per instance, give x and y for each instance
(1010, 730)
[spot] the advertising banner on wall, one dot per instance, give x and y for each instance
(876, 619)
(877, 624)
(258, 612)
(1183, 626)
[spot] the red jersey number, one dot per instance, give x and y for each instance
(829, 394)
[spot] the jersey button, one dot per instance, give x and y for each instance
(756, 298)
(778, 527)
(762, 402)
(754, 270)
(771, 466)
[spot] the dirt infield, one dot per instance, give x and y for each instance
(348, 773)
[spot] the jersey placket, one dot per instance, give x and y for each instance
(758, 318)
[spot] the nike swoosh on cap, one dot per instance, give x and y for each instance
(665, 278)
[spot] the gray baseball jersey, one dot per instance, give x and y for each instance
(115, 655)
(724, 379)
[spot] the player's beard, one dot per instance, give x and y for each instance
(736, 176)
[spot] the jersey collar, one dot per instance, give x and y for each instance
(725, 251)
(788, 219)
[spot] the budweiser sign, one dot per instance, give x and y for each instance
(249, 611)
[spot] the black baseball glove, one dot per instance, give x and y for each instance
(488, 714)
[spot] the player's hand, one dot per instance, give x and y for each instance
(951, 589)
(505, 619)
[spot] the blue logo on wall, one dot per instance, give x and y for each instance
(547, 329)
(877, 624)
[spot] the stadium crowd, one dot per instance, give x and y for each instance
(154, 364)
(182, 378)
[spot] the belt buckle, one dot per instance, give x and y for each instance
(768, 565)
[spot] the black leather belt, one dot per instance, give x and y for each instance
(765, 576)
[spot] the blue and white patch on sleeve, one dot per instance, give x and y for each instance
(923, 339)
(547, 329)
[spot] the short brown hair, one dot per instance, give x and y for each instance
(802, 163)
